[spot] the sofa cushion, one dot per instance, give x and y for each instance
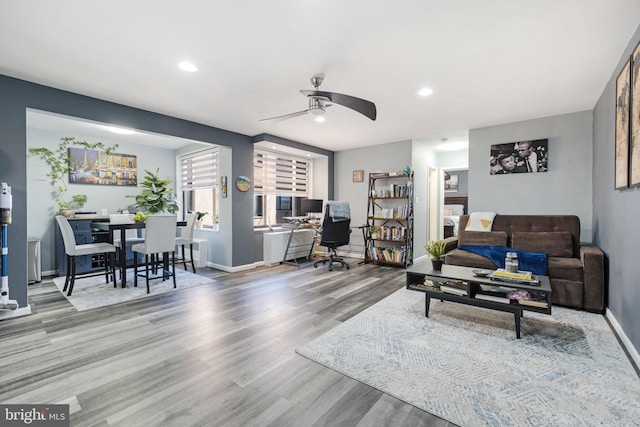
(490, 238)
(565, 268)
(553, 243)
(468, 259)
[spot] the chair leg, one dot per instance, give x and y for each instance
(193, 266)
(173, 266)
(73, 276)
(68, 275)
(184, 257)
(146, 259)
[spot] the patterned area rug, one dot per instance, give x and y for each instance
(93, 292)
(464, 363)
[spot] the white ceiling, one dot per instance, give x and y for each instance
(488, 62)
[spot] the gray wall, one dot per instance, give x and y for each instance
(18, 95)
(565, 189)
(463, 183)
(41, 206)
(376, 158)
(615, 213)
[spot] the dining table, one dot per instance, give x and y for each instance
(122, 229)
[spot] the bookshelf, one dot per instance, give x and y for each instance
(390, 211)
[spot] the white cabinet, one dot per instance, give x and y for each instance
(275, 244)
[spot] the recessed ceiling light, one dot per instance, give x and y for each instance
(188, 66)
(121, 131)
(425, 91)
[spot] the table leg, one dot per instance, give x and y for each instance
(517, 315)
(427, 301)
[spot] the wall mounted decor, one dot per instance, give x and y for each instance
(623, 106)
(450, 183)
(519, 157)
(99, 168)
(358, 176)
(634, 114)
(243, 183)
(223, 186)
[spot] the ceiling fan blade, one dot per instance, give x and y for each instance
(284, 117)
(362, 106)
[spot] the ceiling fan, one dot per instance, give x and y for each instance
(319, 101)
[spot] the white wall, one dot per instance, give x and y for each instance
(565, 189)
(320, 189)
(41, 206)
(376, 158)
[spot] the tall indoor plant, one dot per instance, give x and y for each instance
(156, 197)
(59, 167)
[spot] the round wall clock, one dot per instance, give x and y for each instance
(243, 183)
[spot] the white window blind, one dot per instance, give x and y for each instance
(280, 174)
(199, 170)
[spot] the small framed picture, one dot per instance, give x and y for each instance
(358, 176)
(223, 186)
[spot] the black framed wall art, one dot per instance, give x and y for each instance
(528, 156)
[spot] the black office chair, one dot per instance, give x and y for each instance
(334, 233)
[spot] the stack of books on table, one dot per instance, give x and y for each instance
(520, 277)
(456, 288)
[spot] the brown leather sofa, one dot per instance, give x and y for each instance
(576, 271)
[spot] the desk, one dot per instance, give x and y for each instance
(123, 238)
(295, 247)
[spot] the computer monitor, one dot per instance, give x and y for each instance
(308, 206)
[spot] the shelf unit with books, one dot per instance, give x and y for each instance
(390, 214)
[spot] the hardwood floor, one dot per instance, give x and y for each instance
(213, 355)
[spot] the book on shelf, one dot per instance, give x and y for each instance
(493, 298)
(533, 303)
(453, 290)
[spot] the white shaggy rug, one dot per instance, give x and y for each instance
(464, 363)
(93, 292)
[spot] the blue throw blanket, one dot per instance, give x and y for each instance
(535, 262)
(339, 211)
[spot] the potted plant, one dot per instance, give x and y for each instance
(59, 167)
(199, 216)
(156, 197)
(374, 231)
(436, 252)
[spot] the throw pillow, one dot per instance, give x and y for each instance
(480, 221)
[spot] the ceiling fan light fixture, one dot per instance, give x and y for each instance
(319, 119)
(188, 66)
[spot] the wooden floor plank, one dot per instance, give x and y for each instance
(221, 354)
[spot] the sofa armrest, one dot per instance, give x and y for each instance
(451, 243)
(592, 259)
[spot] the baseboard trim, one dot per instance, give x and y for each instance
(236, 268)
(628, 345)
(18, 312)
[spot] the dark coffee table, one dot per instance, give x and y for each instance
(473, 290)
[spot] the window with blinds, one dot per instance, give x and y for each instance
(280, 180)
(199, 184)
(280, 174)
